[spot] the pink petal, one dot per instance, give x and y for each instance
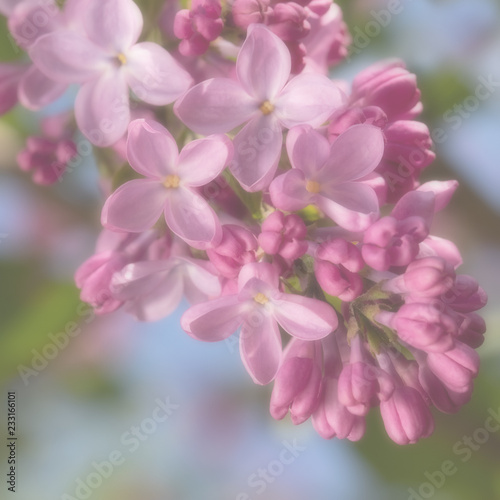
(355, 154)
(307, 149)
(434, 245)
(215, 106)
(308, 99)
(202, 160)
(191, 218)
(135, 206)
(10, 76)
(36, 90)
(152, 290)
(214, 320)
(154, 75)
(139, 278)
(262, 271)
(114, 25)
(352, 205)
(102, 109)
(151, 149)
(68, 57)
(263, 64)
(260, 349)
(305, 318)
(30, 20)
(8, 6)
(257, 152)
(288, 191)
(199, 282)
(443, 191)
(161, 302)
(74, 11)
(421, 203)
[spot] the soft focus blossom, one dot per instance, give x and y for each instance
(169, 186)
(325, 247)
(102, 54)
(261, 98)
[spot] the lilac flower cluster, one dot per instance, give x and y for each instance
(284, 205)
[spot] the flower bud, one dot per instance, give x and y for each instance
(336, 268)
(333, 419)
(246, 12)
(390, 86)
(284, 235)
(237, 248)
(456, 367)
(425, 327)
(298, 382)
(406, 416)
(425, 278)
(289, 21)
(94, 277)
(46, 158)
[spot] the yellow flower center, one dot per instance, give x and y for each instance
(122, 58)
(171, 181)
(260, 298)
(313, 187)
(266, 107)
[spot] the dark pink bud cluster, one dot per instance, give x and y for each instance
(198, 26)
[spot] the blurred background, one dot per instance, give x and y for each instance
(94, 405)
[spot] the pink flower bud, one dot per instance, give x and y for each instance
(426, 327)
(424, 278)
(361, 382)
(442, 398)
(298, 382)
(472, 330)
(406, 416)
(94, 277)
(198, 26)
(339, 48)
(407, 153)
(465, 295)
(236, 249)
(390, 86)
(289, 21)
(345, 119)
(456, 367)
(336, 268)
(246, 12)
(333, 419)
(46, 158)
(284, 235)
(391, 242)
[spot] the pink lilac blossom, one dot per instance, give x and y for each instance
(265, 99)
(102, 54)
(169, 185)
(319, 256)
